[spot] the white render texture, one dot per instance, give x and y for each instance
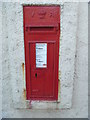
(1, 61)
(73, 63)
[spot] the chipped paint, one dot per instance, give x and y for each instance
(24, 90)
(23, 69)
(58, 88)
(59, 74)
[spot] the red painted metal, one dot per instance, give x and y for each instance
(41, 25)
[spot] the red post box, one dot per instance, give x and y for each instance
(41, 41)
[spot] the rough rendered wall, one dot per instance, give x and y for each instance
(6, 81)
(13, 57)
(80, 95)
(67, 52)
(0, 60)
(88, 60)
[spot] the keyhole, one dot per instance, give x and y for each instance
(35, 74)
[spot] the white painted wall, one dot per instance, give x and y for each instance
(1, 60)
(80, 95)
(72, 42)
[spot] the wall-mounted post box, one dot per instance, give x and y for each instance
(41, 38)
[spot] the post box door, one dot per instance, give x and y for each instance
(41, 33)
(42, 80)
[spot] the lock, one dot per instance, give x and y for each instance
(36, 75)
